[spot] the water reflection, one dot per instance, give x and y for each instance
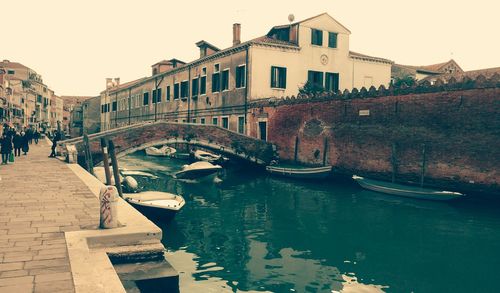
(254, 232)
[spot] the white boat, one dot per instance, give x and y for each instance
(197, 170)
(156, 204)
(405, 190)
(100, 174)
(164, 151)
(300, 172)
(208, 157)
(137, 173)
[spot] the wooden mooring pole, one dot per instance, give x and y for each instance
(325, 150)
(422, 174)
(394, 162)
(88, 154)
(105, 160)
(296, 148)
(114, 163)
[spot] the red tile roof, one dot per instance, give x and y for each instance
(357, 55)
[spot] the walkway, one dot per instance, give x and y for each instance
(40, 199)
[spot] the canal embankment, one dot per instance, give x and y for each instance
(49, 217)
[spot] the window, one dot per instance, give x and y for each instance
(203, 85)
(332, 81)
(278, 77)
(11, 72)
(317, 37)
(157, 96)
(153, 96)
(146, 99)
(202, 120)
(215, 121)
(194, 87)
(167, 93)
(241, 124)
(332, 40)
(194, 120)
(216, 67)
(240, 76)
(315, 78)
(215, 82)
(204, 71)
(225, 80)
(225, 122)
(184, 89)
(176, 91)
(114, 106)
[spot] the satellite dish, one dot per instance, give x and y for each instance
(291, 17)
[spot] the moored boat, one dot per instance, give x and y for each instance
(208, 157)
(197, 170)
(405, 190)
(164, 151)
(300, 172)
(156, 204)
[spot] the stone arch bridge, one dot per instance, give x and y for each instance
(136, 137)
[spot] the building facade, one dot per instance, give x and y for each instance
(217, 87)
(24, 99)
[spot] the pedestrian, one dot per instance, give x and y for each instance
(29, 135)
(36, 136)
(5, 148)
(55, 139)
(25, 143)
(18, 144)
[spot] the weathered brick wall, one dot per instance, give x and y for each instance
(459, 124)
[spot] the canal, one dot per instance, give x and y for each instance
(252, 232)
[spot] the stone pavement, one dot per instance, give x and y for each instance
(40, 199)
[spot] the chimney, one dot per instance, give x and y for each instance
(236, 34)
(117, 81)
(109, 83)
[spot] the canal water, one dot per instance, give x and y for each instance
(253, 232)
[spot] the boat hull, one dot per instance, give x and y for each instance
(301, 173)
(154, 212)
(405, 191)
(195, 174)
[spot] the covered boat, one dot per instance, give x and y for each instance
(197, 170)
(208, 157)
(156, 204)
(300, 172)
(100, 174)
(164, 151)
(405, 190)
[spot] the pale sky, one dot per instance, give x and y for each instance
(75, 45)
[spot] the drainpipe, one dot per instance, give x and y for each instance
(129, 102)
(189, 94)
(116, 112)
(246, 89)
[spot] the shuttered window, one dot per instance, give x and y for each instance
(317, 37)
(332, 40)
(278, 77)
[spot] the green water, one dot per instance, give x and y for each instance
(253, 232)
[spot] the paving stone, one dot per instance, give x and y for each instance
(11, 266)
(16, 281)
(52, 277)
(16, 273)
(25, 288)
(55, 286)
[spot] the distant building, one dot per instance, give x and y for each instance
(70, 102)
(421, 72)
(217, 87)
(459, 76)
(24, 98)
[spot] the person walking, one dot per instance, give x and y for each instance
(25, 143)
(5, 148)
(36, 136)
(18, 144)
(55, 139)
(29, 135)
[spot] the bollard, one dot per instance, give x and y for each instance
(108, 197)
(72, 154)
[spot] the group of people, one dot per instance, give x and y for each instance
(12, 142)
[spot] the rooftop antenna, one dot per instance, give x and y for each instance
(291, 18)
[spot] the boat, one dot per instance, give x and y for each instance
(164, 151)
(197, 170)
(156, 204)
(300, 172)
(137, 173)
(100, 174)
(208, 157)
(405, 190)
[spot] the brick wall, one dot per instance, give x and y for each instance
(458, 123)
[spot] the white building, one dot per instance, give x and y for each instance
(217, 87)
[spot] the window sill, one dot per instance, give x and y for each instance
(278, 88)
